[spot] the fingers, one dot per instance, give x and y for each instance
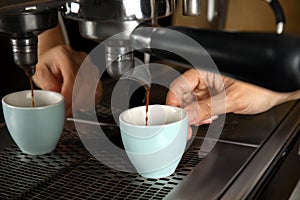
(190, 132)
(99, 92)
(201, 94)
(45, 80)
(205, 111)
(56, 71)
(65, 67)
(198, 112)
(69, 73)
(88, 88)
(181, 88)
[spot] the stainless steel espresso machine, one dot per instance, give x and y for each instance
(98, 20)
(256, 157)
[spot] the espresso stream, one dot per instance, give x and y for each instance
(147, 104)
(32, 93)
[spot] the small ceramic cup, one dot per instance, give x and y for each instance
(154, 150)
(35, 130)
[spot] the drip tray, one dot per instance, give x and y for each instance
(70, 172)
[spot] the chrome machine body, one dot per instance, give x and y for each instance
(98, 20)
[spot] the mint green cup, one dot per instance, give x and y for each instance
(35, 130)
(154, 150)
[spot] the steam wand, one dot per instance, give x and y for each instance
(279, 15)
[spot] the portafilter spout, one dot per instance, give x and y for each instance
(119, 57)
(25, 53)
(22, 27)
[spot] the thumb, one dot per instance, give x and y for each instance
(44, 78)
(203, 110)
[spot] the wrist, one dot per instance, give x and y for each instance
(290, 96)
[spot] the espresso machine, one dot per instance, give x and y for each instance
(253, 156)
(99, 20)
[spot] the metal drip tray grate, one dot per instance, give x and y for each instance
(92, 180)
(70, 172)
(21, 173)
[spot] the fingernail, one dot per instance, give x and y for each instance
(214, 117)
(206, 121)
(192, 115)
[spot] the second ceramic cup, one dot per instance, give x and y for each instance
(155, 150)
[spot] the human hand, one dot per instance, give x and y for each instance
(195, 91)
(56, 71)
